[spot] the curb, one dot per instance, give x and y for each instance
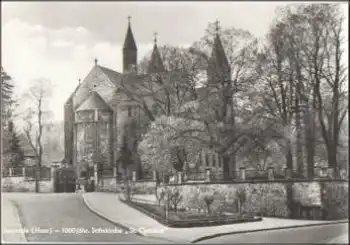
(214, 235)
(87, 204)
(22, 235)
(267, 229)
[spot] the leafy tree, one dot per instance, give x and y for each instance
(162, 145)
(6, 96)
(14, 149)
(10, 148)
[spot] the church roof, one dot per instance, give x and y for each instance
(129, 42)
(114, 76)
(156, 63)
(94, 101)
(69, 100)
(218, 55)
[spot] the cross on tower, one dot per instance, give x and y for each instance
(217, 26)
(129, 18)
(155, 37)
(95, 61)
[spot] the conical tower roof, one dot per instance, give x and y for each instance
(129, 42)
(218, 55)
(156, 63)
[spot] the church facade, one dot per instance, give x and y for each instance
(99, 107)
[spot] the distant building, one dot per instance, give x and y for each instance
(28, 152)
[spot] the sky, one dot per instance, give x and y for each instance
(60, 40)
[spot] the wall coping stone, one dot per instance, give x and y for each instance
(260, 181)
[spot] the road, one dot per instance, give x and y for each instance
(67, 210)
(313, 234)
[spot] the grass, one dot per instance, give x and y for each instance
(189, 218)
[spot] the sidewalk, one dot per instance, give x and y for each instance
(108, 205)
(342, 239)
(11, 227)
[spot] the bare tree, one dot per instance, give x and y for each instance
(319, 34)
(278, 93)
(330, 76)
(35, 117)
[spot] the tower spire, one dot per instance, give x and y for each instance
(155, 64)
(218, 67)
(217, 27)
(129, 50)
(155, 38)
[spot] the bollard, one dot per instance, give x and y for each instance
(154, 175)
(288, 173)
(10, 172)
(52, 172)
(179, 178)
(207, 175)
(96, 176)
(133, 175)
(24, 172)
(318, 172)
(242, 173)
(114, 172)
(270, 174)
(330, 173)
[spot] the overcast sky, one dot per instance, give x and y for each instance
(59, 40)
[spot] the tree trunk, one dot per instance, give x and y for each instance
(226, 167)
(332, 159)
(37, 179)
(290, 201)
(310, 143)
(289, 156)
(299, 149)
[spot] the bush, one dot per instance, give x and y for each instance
(7, 185)
(23, 189)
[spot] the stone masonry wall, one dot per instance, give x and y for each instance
(19, 184)
(267, 198)
(139, 187)
(335, 199)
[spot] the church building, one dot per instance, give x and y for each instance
(96, 111)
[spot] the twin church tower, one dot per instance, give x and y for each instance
(130, 54)
(217, 63)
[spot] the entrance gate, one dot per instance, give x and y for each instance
(64, 180)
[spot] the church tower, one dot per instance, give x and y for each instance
(129, 51)
(156, 64)
(218, 67)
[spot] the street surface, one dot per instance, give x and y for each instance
(42, 214)
(313, 234)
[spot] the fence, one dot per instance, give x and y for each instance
(28, 172)
(107, 172)
(243, 174)
(147, 175)
(212, 176)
